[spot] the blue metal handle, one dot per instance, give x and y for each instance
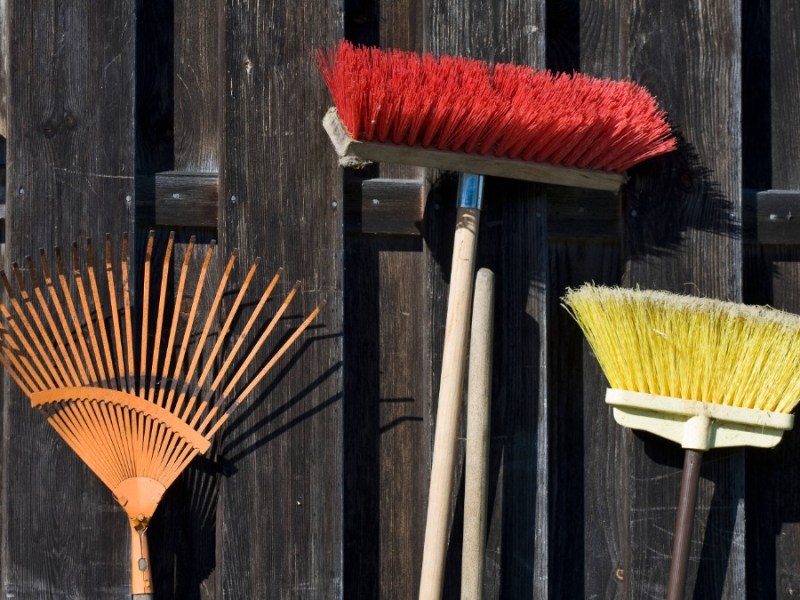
(470, 191)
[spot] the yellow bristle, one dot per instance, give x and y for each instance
(692, 348)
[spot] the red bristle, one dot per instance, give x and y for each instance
(509, 111)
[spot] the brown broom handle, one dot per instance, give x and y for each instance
(459, 305)
(141, 576)
(683, 523)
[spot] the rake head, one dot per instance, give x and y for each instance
(136, 404)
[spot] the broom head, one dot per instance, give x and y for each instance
(702, 372)
(503, 119)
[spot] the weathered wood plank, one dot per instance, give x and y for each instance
(513, 244)
(778, 217)
(520, 559)
(588, 520)
(682, 215)
(70, 175)
(773, 277)
(773, 479)
(197, 86)
(394, 303)
(184, 199)
(280, 191)
(3, 68)
(179, 91)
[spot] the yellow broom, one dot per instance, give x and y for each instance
(135, 408)
(701, 372)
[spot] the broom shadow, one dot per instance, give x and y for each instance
(670, 195)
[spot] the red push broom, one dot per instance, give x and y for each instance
(504, 120)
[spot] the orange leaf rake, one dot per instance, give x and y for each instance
(135, 411)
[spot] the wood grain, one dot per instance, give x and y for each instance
(70, 176)
(514, 246)
(197, 86)
(395, 304)
(590, 520)
(280, 192)
(772, 276)
(683, 213)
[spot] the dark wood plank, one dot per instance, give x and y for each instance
(392, 206)
(520, 558)
(197, 86)
(71, 168)
(778, 217)
(393, 303)
(184, 199)
(513, 244)
(4, 69)
(589, 520)
(179, 84)
(281, 192)
(773, 276)
(784, 19)
(682, 215)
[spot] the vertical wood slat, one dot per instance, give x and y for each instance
(70, 176)
(513, 243)
(196, 87)
(392, 286)
(773, 277)
(280, 513)
(179, 96)
(681, 216)
(590, 460)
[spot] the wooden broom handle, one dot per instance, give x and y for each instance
(479, 390)
(683, 524)
(448, 412)
(141, 575)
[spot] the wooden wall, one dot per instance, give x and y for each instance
(205, 119)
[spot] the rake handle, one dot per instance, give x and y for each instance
(141, 576)
(683, 523)
(451, 387)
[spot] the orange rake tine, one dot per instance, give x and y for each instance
(60, 348)
(126, 303)
(223, 333)
(62, 317)
(114, 310)
(87, 315)
(29, 342)
(77, 333)
(160, 315)
(145, 322)
(198, 292)
(98, 307)
(175, 316)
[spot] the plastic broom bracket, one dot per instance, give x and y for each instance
(698, 425)
(697, 433)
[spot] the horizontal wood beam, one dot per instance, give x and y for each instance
(186, 199)
(396, 207)
(777, 216)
